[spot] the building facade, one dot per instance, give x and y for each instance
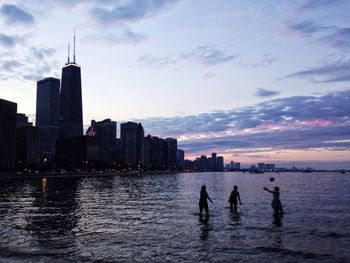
(47, 115)
(106, 134)
(171, 153)
(71, 106)
(8, 111)
(154, 152)
(27, 144)
(132, 140)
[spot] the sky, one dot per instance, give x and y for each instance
(255, 81)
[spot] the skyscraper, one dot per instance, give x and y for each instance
(47, 115)
(106, 133)
(48, 102)
(154, 152)
(27, 144)
(171, 153)
(71, 106)
(132, 140)
(8, 111)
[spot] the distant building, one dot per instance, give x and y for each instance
(106, 133)
(171, 153)
(261, 166)
(220, 163)
(47, 115)
(71, 108)
(213, 162)
(8, 111)
(154, 152)
(180, 159)
(132, 140)
(77, 153)
(27, 144)
(270, 167)
(237, 166)
(203, 164)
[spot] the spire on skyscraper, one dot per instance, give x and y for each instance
(74, 48)
(68, 54)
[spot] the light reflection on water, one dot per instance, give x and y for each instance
(156, 219)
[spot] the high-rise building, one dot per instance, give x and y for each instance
(154, 152)
(48, 102)
(212, 163)
(8, 111)
(180, 159)
(106, 133)
(171, 153)
(219, 163)
(132, 140)
(47, 115)
(27, 143)
(71, 106)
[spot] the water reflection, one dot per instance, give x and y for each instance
(277, 220)
(53, 214)
(205, 227)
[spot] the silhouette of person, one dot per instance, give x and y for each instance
(276, 202)
(203, 203)
(234, 198)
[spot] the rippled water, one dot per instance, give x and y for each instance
(155, 219)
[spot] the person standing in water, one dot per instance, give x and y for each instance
(276, 202)
(234, 198)
(203, 203)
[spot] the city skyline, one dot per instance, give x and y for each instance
(274, 92)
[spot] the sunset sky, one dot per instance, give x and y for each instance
(255, 81)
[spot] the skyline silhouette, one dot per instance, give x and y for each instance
(254, 83)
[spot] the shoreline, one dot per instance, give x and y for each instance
(16, 176)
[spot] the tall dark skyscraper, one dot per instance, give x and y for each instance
(132, 139)
(48, 102)
(71, 106)
(8, 112)
(171, 153)
(47, 115)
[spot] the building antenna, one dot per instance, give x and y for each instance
(68, 53)
(74, 48)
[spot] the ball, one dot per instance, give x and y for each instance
(272, 179)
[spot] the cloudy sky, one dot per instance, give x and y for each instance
(255, 81)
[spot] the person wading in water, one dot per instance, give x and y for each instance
(203, 203)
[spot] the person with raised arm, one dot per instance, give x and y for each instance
(276, 202)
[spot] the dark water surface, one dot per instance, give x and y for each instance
(155, 219)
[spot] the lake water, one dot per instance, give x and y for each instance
(156, 219)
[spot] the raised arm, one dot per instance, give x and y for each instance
(272, 192)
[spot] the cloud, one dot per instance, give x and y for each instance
(119, 35)
(306, 27)
(300, 122)
(129, 11)
(265, 61)
(154, 61)
(7, 41)
(32, 64)
(263, 93)
(208, 55)
(15, 15)
(332, 36)
(338, 39)
(338, 71)
(315, 4)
